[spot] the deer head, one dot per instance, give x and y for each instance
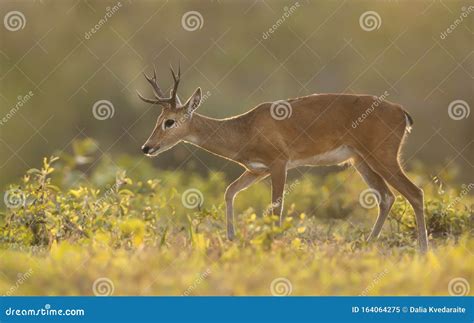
(172, 125)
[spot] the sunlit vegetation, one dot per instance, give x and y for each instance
(65, 227)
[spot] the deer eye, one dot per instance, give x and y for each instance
(169, 123)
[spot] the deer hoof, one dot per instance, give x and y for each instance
(230, 235)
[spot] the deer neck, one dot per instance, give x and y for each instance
(218, 136)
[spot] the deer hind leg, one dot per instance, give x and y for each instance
(385, 195)
(389, 168)
(241, 183)
(278, 175)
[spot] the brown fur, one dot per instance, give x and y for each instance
(320, 131)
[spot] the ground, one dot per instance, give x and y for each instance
(111, 232)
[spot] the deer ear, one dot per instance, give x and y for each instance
(194, 101)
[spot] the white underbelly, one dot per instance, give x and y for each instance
(332, 157)
(257, 166)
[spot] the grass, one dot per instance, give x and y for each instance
(66, 232)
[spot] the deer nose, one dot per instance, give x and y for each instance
(145, 149)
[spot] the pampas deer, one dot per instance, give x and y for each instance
(319, 129)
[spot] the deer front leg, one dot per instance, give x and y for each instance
(241, 183)
(278, 175)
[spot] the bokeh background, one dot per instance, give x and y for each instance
(319, 47)
(109, 215)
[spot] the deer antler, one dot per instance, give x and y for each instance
(154, 83)
(173, 100)
(176, 79)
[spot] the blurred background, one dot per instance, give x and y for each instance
(60, 59)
